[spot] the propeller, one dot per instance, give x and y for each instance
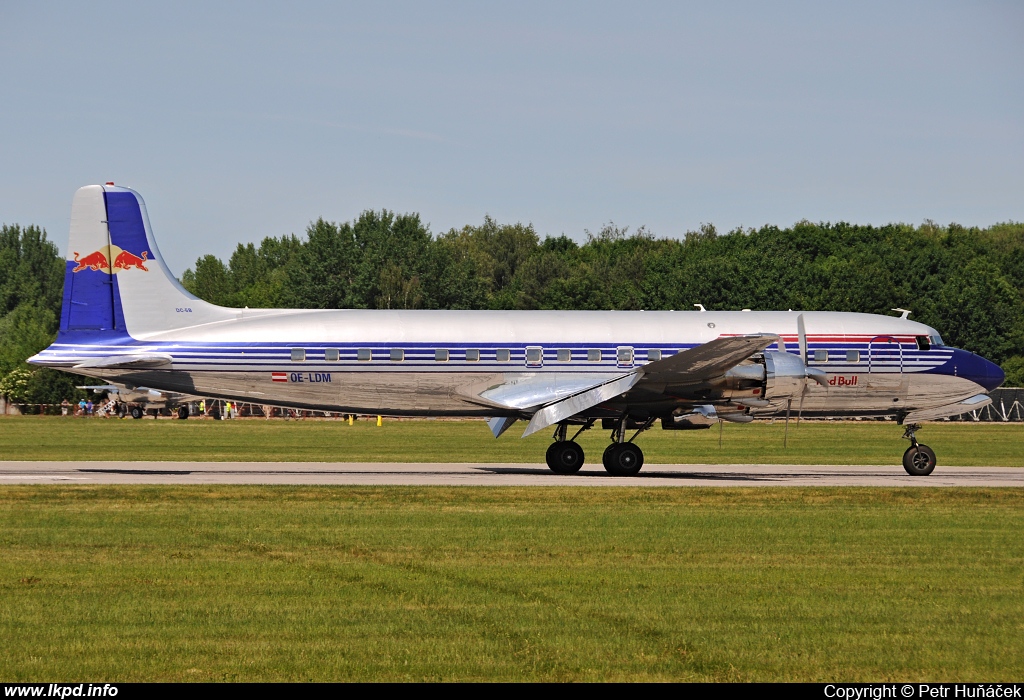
(801, 332)
(810, 374)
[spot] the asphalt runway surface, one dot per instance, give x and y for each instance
(430, 474)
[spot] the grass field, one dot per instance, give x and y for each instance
(854, 442)
(256, 583)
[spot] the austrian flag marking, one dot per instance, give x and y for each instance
(279, 376)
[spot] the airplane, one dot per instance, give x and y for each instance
(126, 319)
(136, 400)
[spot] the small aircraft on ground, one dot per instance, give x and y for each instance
(137, 400)
(126, 319)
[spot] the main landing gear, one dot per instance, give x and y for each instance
(918, 460)
(623, 457)
(566, 456)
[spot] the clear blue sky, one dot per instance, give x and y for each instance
(241, 120)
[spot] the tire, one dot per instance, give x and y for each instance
(564, 457)
(182, 412)
(919, 460)
(136, 412)
(623, 459)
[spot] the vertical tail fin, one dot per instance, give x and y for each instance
(116, 282)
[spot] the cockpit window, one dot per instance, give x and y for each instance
(923, 343)
(936, 340)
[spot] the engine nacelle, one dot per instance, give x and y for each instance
(785, 375)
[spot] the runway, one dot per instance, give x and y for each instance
(430, 474)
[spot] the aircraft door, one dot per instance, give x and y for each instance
(885, 363)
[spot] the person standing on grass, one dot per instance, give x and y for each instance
(64, 407)
(88, 407)
(202, 408)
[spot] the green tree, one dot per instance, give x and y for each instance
(392, 256)
(210, 281)
(31, 269)
(324, 269)
(24, 332)
(979, 310)
(1014, 368)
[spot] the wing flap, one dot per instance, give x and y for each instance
(566, 408)
(500, 424)
(531, 391)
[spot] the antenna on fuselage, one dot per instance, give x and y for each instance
(902, 311)
(700, 306)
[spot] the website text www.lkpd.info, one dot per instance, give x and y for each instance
(61, 690)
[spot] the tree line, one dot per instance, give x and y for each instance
(966, 282)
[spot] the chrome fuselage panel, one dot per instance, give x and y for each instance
(458, 363)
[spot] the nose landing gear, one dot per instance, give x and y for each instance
(918, 460)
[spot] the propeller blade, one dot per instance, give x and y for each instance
(802, 335)
(785, 435)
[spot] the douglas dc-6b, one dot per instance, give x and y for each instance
(127, 321)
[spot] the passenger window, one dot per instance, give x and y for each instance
(534, 357)
(653, 355)
(298, 355)
(624, 356)
(502, 355)
(364, 354)
(821, 355)
(853, 356)
(331, 354)
(593, 355)
(472, 356)
(564, 354)
(397, 354)
(440, 355)
(923, 343)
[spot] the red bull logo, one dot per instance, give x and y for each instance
(843, 381)
(95, 261)
(99, 261)
(126, 260)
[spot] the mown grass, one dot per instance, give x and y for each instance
(257, 440)
(363, 583)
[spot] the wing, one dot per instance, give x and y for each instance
(706, 361)
(697, 364)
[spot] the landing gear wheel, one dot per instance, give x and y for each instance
(919, 460)
(137, 412)
(623, 459)
(182, 412)
(565, 457)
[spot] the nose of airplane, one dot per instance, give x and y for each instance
(978, 370)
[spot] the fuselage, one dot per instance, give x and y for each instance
(446, 362)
